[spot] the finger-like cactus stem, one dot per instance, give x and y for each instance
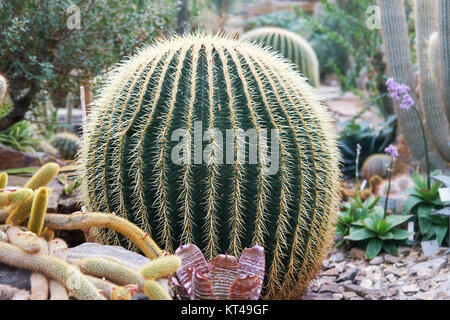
(41, 178)
(3, 181)
(38, 282)
(111, 270)
(120, 293)
(161, 267)
(8, 198)
(26, 240)
(38, 210)
(81, 220)
(58, 248)
(154, 291)
(51, 267)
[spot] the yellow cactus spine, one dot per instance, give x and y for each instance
(161, 267)
(38, 210)
(154, 291)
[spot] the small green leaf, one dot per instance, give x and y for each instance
(360, 234)
(400, 234)
(386, 236)
(373, 248)
(410, 203)
(382, 227)
(370, 224)
(395, 220)
(390, 247)
(440, 233)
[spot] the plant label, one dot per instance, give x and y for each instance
(444, 193)
(411, 229)
(430, 247)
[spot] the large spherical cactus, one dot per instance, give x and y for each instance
(291, 46)
(158, 104)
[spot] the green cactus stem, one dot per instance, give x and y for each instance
(51, 267)
(291, 46)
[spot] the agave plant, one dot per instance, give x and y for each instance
(224, 278)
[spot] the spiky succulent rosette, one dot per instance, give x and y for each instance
(231, 86)
(223, 278)
(291, 46)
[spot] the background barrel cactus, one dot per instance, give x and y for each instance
(291, 46)
(67, 144)
(215, 82)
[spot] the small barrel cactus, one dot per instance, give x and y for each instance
(291, 46)
(376, 164)
(176, 89)
(67, 144)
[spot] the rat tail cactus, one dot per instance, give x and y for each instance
(291, 46)
(144, 157)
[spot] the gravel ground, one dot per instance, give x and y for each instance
(409, 276)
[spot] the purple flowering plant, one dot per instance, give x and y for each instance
(400, 93)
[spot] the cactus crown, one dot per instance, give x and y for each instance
(291, 46)
(67, 144)
(215, 82)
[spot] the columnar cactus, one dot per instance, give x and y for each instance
(67, 144)
(291, 46)
(129, 162)
(430, 94)
(394, 30)
(444, 40)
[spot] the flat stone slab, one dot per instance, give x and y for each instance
(90, 249)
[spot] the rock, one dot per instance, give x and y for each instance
(377, 260)
(337, 256)
(329, 287)
(357, 253)
(391, 278)
(349, 294)
(391, 259)
(17, 278)
(424, 285)
(361, 291)
(366, 283)
(11, 293)
(330, 272)
(411, 288)
(442, 291)
(11, 158)
(338, 296)
(403, 251)
(90, 249)
(348, 275)
(438, 263)
(340, 267)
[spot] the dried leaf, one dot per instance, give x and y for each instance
(246, 288)
(224, 270)
(191, 258)
(201, 286)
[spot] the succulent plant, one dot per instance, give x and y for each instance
(223, 278)
(67, 144)
(215, 82)
(376, 164)
(291, 46)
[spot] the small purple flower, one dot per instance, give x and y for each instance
(400, 92)
(392, 151)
